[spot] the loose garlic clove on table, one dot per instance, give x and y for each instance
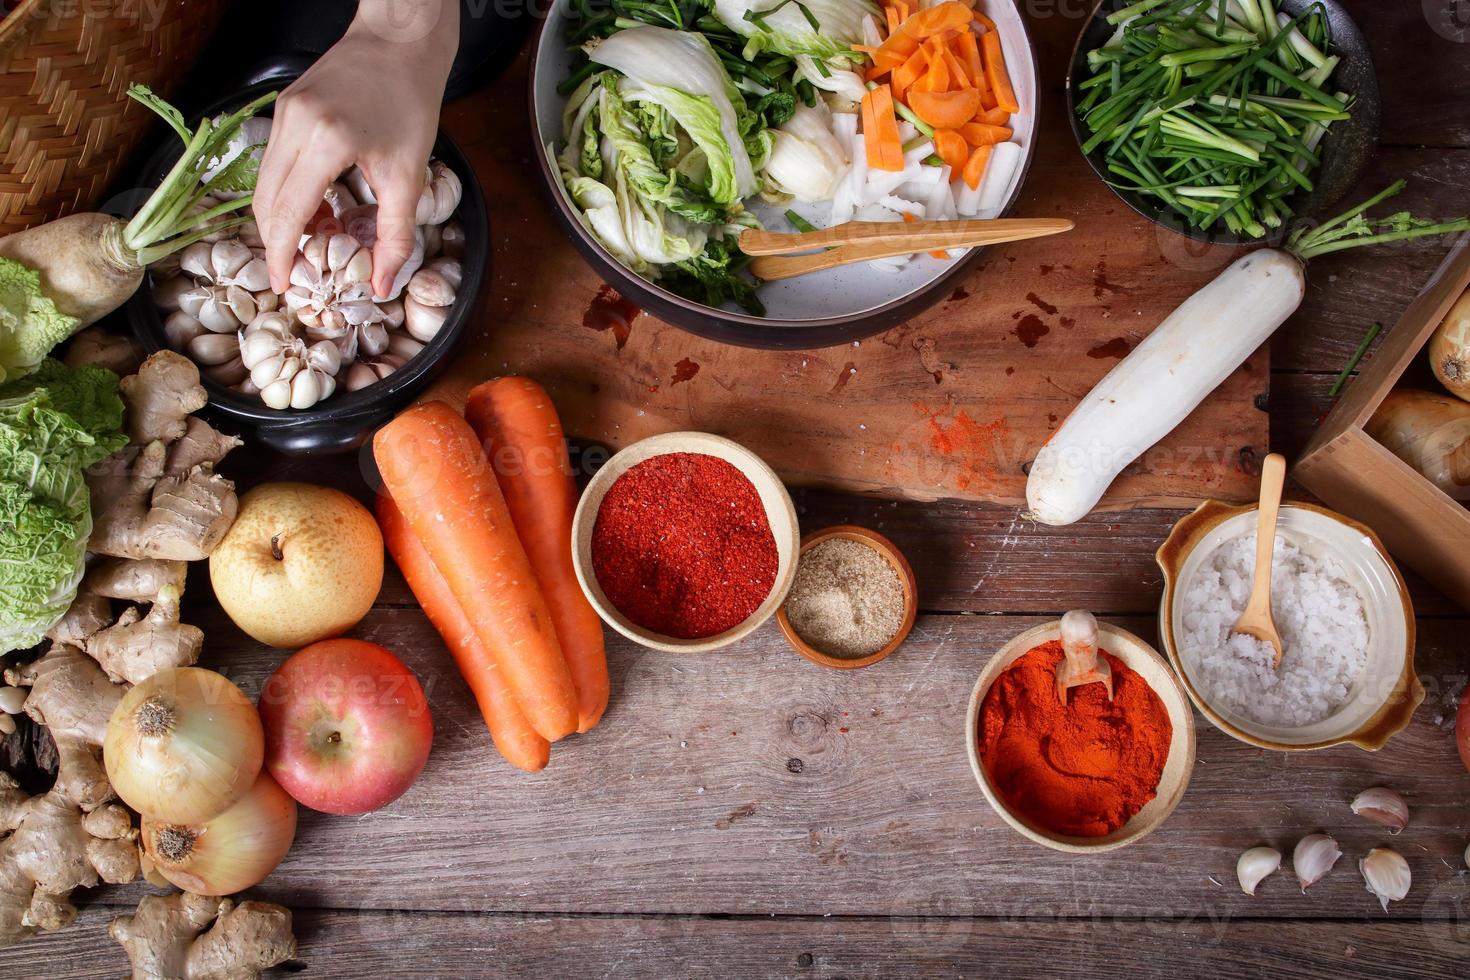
(1386, 874)
(1254, 865)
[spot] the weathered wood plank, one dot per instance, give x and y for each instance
(752, 782)
(354, 944)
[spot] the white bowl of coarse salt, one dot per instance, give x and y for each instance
(1346, 624)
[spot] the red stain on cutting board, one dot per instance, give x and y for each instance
(968, 447)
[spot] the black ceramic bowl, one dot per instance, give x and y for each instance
(347, 419)
(824, 309)
(1345, 149)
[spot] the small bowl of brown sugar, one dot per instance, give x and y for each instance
(852, 601)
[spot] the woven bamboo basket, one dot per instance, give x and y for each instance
(66, 123)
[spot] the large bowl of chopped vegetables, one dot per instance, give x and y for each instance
(1225, 120)
(665, 128)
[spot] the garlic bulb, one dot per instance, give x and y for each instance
(362, 223)
(209, 349)
(1382, 806)
(1314, 856)
(331, 292)
(428, 298)
(231, 284)
(1254, 865)
(442, 191)
(270, 350)
(1386, 874)
(365, 373)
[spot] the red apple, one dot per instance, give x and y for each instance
(347, 726)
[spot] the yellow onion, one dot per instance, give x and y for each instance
(231, 852)
(183, 746)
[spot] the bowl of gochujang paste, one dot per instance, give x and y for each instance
(1090, 774)
(685, 542)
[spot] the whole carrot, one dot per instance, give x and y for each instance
(434, 469)
(512, 734)
(517, 423)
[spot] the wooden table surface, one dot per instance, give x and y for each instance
(749, 813)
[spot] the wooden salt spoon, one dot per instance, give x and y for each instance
(1081, 663)
(1256, 620)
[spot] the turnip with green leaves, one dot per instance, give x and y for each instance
(61, 276)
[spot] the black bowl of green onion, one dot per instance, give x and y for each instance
(1229, 121)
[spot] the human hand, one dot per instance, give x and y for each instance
(371, 100)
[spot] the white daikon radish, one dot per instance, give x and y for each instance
(1162, 381)
(1004, 160)
(1197, 346)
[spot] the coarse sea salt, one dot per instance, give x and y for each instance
(1319, 614)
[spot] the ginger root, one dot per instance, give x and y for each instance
(159, 497)
(163, 938)
(136, 647)
(54, 847)
(139, 580)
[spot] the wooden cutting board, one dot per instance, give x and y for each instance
(952, 404)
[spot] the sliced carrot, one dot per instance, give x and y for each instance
(893, 19)
(898, 47)
(995, 73)
(989, 24)
(993, 117)
(908, 73)
(946, 110)
(975, 166)
(971, 57)
(871, 146)
(886, 123)
(982, 134)
(950, 145)
(936, 78)
(937, 253)
(950, 16)
(959, 75)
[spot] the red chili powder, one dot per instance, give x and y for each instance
(682, 546)
(1083, 768)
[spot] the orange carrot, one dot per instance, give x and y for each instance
(981, 134)
(945, 110)
(871, 145)
(995, 72)
(950, 145)
(893, 20)
(959, 74)
(970, 55)
(950, 16)
(516, 740)
(885, 121)
(975, 166)
(433, 467)
(989, 24)
(518, 426)
(938, 253)
(993, 117)
(905, 75)
(899, 45)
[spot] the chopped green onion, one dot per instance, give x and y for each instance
(1352, 363)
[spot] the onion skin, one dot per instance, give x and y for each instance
(235, 850)
(1449, 350)
(1429, 432)
(205, 756)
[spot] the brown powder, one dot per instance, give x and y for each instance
(847, 600)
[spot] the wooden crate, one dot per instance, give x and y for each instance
(1421, 524)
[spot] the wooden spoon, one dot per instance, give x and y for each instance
(1081, 663)
(1256, 620)
(858, 241)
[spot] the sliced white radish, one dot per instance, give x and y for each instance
(996, 184)
(918, 153)
(966, 198)
(902, 206)
(841, 204)
(1154, 388)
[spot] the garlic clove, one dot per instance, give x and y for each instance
(452, 240)
(1314, 856)
(231, 372)
(12, 699)
(392, 313)
(254, 275)
(1386, 874)
(277, 394)
(432, 241)
(166, 292)
(359, 376)
(228, 257)
(450, 269)
(192, 300)
(264, 372)
(216, 314)
(372, 339)
(339, 198)
(214, 348)
(430, 288)
(324, 356)
(306, 389)
(1254, 865)
(180, 328)
(248, 387)
(357, 183)
(423, 322)
(7, 725)
(267, 301)
(195, 260)
(314, 255)
(1382, 806)
(404, 346)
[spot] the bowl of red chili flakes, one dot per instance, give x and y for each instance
(685, 542)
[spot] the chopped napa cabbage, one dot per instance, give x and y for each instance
(787, 26)
(30, 323)
(807, 162)
(680, 72)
